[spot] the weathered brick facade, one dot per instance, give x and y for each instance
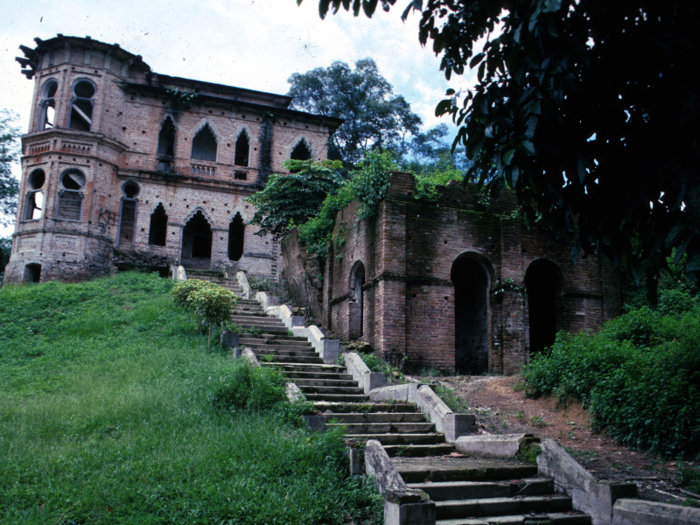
(457, 284)
(115, 158)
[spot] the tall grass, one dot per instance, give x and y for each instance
(107, 416)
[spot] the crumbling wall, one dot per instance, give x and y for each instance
(303, 275)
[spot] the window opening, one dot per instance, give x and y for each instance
(240, 175)
(204, 145)
(35, 196)
(471, 316)
(356, 321)
(301, 152)
(81, 110)
(70, 199)
(158, 231)
(236, 236)
(47, 106)
(242, 150)
(196, 242)
(542, 284)
(166, 145)
(130, 189)
(32, 273)
(127, 225)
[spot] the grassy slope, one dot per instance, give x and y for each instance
(105, 417)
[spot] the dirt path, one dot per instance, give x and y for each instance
(502, 409)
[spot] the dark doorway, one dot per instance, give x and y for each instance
(242, 150)
(471, 316)
(196, 242)
(356, 304)
(236, 235)
(32, 273)
(166, 146)
(542, 283)
(157, 234)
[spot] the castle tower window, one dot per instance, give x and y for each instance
(236, 236)
(127, 217)
(204, 145)
(242, 150)
(35, 196)
(158, 231)
(301, 152)
(166, 145)
(81, 109)
(196, 242)
(70, 199)
(47, 106)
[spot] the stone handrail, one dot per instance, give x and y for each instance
(243, 282)
(365, 378)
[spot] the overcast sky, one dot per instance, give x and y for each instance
(255, 44)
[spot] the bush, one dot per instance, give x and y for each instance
(640, 377)
(249, 387)
(210, 303)
(181, 291)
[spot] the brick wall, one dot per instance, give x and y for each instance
(410, 250)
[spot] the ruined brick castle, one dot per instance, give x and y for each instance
(122, 165)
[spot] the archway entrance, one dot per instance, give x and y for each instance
(196, 242)
(542, 282)
(471, 316)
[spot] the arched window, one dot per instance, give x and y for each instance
(127, 217)
(35, 196)
(204, 145)
(81, 110)
(70, 199)
(236, 236)
(158, 232)
(301, 151)
(242, 150)
(47, 106)
(166, 145)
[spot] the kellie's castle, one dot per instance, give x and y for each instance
(122, 165)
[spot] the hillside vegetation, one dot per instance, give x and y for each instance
(113, 411)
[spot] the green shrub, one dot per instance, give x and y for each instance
(640, 376)
(249, 387)
(182, 291)
(210, 303)
(689, 477)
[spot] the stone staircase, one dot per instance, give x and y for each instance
(466, 490)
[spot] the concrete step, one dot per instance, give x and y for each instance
(280, 340)
(286, 352)
(323, 376)
(344, 390)
(400, 439)
(348, 398)
(386, 428)
(278, 360)
(418, 451)
(310, 368)
(364, 407)
(539, 519)
(452, 509)
(325, 382)
(380, 417)
(418, 470)
(454, 490)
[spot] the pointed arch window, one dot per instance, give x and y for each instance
(242, 150)
(301, 151)
(204, 145)
(70, 198)
(236, 236)
(47, 106)
(81, 110)
(158, 231)
(166, 145)
(35, 195)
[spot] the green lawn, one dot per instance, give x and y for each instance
(106, 416)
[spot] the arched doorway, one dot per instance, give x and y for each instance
(196, 242)
(543, 284)
(471, 284)
(236, 237)
(356, 304)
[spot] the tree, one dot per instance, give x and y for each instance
(588, 109)
(9, 154)
(375, 118)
